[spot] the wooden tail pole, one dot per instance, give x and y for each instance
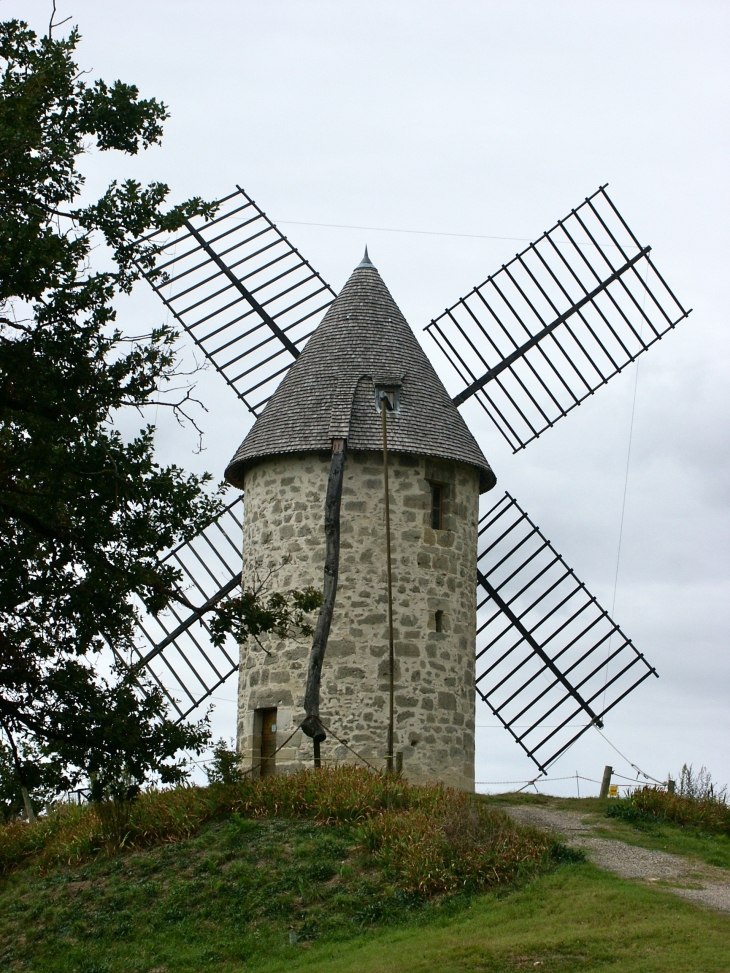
(311, 724)
(384, 405)
(606, 782)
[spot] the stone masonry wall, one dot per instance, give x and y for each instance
(432, 571)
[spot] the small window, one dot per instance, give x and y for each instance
(439, 618)
(436, 506)
(392, 395)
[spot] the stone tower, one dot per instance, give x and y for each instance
(363, 347)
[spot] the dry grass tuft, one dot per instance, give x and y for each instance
(708, 814)
(431, 839)
(454, 843)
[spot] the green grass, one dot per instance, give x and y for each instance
(690, 841)
(577, 919)
(583, 805)
(222, 875)
(433, 839)
(710, 815)
(226, 899)
(367, 873)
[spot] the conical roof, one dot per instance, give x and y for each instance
(362, 342)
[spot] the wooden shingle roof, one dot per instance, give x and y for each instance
(329, 392)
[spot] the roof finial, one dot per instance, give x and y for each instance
(366, 262)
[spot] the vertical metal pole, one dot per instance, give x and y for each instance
(391, 651)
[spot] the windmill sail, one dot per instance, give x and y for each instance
(244, 294)
(175, 646)
(529, 344)
(250, 301)
(558, 321)
(550, 661)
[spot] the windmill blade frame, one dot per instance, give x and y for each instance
(540, 634)
(176, 647)
(545, 646)
(242, 291)
(557, 321)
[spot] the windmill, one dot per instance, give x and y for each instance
(529, 344)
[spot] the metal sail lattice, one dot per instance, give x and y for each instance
(550, 661)
(244, 294)
(176, 646)
(573, 308)
(555, 323)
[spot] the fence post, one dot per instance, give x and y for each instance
(606, 782)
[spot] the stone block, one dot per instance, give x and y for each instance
(339, 648)
(373, 620)
(447, 701)
(344, 673)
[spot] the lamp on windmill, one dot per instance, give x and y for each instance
(528, 345)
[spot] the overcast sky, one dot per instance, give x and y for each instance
(491, 120)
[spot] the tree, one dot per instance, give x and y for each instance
(83, 512)
(42, 774)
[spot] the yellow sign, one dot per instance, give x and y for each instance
(613, 790)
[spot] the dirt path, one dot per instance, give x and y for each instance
(686, 877)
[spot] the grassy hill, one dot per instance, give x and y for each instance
(340, 871)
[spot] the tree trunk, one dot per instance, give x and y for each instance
(27, 804)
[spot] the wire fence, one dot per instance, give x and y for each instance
(633, 783)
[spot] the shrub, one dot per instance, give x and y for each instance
(699, 785)
(225, 765)
(431, 839)
(696, 804)
(454, 844)
(339, 794)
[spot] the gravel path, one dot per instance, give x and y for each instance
(686, 877)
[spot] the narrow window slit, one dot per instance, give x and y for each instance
(436, 506)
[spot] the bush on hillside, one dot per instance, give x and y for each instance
(455, 843)
(699, 785)
(431, 839)
(697, 803)
(225, 765)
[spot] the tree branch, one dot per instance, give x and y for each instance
(51, 25)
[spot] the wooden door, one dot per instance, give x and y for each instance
(268, 741)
